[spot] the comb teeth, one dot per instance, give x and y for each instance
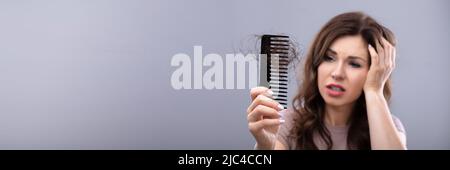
(274, 66)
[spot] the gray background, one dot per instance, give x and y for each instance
(95, 74)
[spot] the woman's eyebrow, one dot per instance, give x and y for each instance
(331, 51)
(350, 57)
(356, 57)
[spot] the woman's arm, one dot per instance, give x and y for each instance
(383, 133)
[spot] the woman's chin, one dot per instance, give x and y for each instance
(336, 101)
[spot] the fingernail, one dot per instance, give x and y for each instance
(279, 114)
(280, 106)
(270, 92)
(282, 120)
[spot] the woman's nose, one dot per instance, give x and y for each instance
(338, 72)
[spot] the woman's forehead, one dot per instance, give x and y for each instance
(350, 46)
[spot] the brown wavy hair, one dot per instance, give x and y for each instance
(308, 104)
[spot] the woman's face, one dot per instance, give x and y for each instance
(342, 74)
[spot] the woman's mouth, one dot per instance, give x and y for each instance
(335, 90)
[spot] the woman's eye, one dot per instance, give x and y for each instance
(355, 65)
(328, 58)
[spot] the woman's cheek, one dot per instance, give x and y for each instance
(357, 80)
(322, 71)
(360, 79)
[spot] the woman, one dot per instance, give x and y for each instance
(343, 100)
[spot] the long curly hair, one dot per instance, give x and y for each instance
(308, 104)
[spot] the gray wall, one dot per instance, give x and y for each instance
(95, 74)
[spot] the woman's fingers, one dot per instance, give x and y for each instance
(389, 54)
(379, 46)
(262, 112)
(384, 55)
(258, 125)
(254, 92)
(382, 50)
(387, 48)
(266, 101)
(374, 58)
(383, 61)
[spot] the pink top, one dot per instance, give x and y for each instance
(338, 133)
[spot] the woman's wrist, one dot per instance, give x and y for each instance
(262, 147)
(373, 93)
(265, 144)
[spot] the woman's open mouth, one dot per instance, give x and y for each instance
(335, 90)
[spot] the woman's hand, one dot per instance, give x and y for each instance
(382, 64)
(263, 117)
(383, 133)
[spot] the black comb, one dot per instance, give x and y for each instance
(273, 66)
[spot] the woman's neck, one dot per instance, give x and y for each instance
(338, 115)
